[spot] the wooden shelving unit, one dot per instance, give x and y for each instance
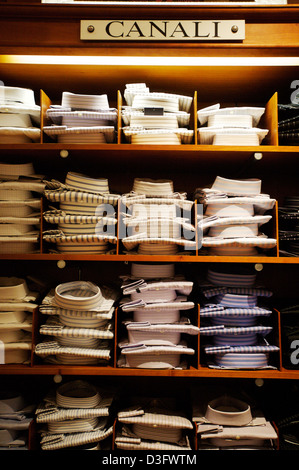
(265, 64)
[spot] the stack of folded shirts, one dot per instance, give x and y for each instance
(82, 119)
(230, 126)
(288, 124)
(80, 326)
(156, 118)
(20, 205)
(233, 212)
(227, 423)
(156, 333)
(155, 219)
(17, 303)
(153, 424)
(288, 219)
(232, 319)
(16, 416)
(86, 219)
(19, 116)
(75, 416)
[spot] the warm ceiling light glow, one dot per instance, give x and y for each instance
(149, 61)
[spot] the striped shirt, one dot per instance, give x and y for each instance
(60, 441)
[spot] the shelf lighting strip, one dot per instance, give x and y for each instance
(149, 61)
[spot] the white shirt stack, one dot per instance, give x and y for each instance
(230, 126)
(75, 416)
(156, 118)
(153, 424)
(233, 320)
(80, 325)
(233, 213)
(20, 208)
(155, 219)
(86, 220)
(19, 116)
(156, 332)
(17, 304)
(16, 416)
(82, 119)
(229, 423)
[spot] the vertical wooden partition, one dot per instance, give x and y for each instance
(45, 104)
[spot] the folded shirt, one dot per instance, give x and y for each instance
(174, 136)
(216, 224)
(241, 360)
(255, 113)
(156, 357)
(143, 426)
(101, 309)
(127, 443)
(241, 434)
(139, 96)
(56, 353)
(179, 303)
(231, 136)
(62, 114)
(132, 242)
(97, 134)
(234, 293)
(62, 194)
(54, 327)
(62, 441)
(181, 286)
(159, 334)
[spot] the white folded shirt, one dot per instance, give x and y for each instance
(255, 113)
(233, 136)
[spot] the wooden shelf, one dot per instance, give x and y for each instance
(152, 258)
(125, 154)
(188, 148)
(110, 371)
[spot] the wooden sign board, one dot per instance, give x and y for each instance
(162, 30)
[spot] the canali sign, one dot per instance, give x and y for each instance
(162, 30)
